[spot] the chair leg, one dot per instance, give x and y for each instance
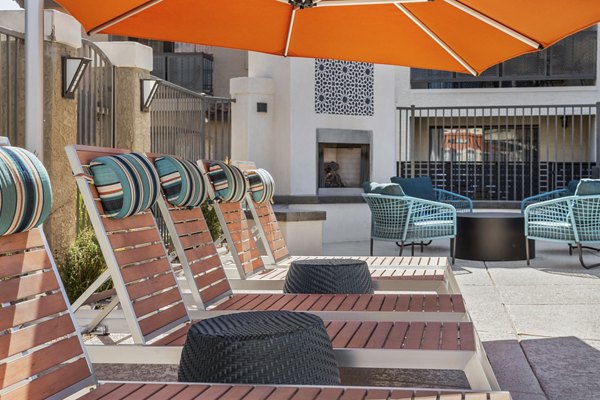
(401, 248)
(453, 249)
(580, 249)
(570, 249)
(412, 249)
(527, 250)
(422, 246)
(371, 246)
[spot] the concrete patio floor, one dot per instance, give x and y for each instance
(540, 324)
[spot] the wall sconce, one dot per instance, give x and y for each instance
(72, 71)
(148, 89)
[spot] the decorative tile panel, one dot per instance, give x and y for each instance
(344, 87)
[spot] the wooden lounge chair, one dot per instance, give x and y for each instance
(42, 355)
(412, 274)
(151, 305)
(181, 223)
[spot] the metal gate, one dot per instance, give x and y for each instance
(498, 153)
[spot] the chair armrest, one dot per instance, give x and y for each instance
(459, 201)
(550, 213)
(542, 197)
(423, 210)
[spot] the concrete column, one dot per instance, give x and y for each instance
(252, 130)
(133, 62)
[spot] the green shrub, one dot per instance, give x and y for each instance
(82, 264)
(212, 220)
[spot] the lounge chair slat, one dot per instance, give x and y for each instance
(52, 382)
(210, 293)
(333, 328)
(35, 335)
(238, 392)
(142, 392)
(450, 337)
(102, 391)
(200, 253)
(281, 302)
(308, 303)
(458, 303)
(346, 334)
(154, 302)
(21, 241)
(232, 301)
(306, 393)
(31, 310)
(349, 302)
(39, 361)
(363, 334)
(194, 239)
(172, 392)
(414, 336)
(135, 221)
(146, 270)
(174, 337)
(396, 337)
(27, 286)
(134, 238)
(187, 228)
(211, 393)
(354, 394)
(377, 394)
(149, 286)
(296, 300)
(214, 276)
(259, 393)
(283, 393)
(140, 254)
(330, 394)
(184, 214)
(467, 337)
(432, 336)
(23, 263)
(260, 303)
(403, 395)
(162, 318)
(377, 338)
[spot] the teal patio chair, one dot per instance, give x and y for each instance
(573, 220)
(409, 220)
(554, 194)
(422, 187)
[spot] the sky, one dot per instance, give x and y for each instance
(9, 5)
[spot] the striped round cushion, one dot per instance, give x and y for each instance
(181, 181)
(261, 185)
(25, 191)
(127, 184)
(228, 181)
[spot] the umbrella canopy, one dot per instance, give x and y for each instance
(466, 36)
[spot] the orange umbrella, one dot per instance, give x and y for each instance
(455, 35)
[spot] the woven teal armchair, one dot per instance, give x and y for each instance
(554, 194)
(409, 220)
(573, 220)
(460, 202)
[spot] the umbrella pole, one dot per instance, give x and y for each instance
(34, 76)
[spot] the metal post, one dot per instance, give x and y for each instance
(597, 134)
(34, 77)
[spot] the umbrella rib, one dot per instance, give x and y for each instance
(123, 16)
(492, 22)
(289, 35)
(436, 38)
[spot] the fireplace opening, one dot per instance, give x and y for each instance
(343, 165)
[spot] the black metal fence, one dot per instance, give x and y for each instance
(500, 152)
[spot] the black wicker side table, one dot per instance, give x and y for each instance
(332, 276)
(263, 347)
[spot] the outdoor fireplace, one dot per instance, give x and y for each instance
(343, 160)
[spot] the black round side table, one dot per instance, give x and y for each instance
(262, 347)
(492, 236)
(330, 276)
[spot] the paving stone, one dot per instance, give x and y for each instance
(566, 367)
(550, 294)
(582, 321)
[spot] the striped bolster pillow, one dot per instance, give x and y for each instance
(127, 184)
(25, 191)
(261, 185)
(228, 181)
(181, 181)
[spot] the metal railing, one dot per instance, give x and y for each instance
(95, 110)
(189, 125)
(12, 86)
(499, 152)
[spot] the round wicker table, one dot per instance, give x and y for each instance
(331, 276)
(263, 347)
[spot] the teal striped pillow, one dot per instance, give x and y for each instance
(228, 181)
(127, 184)
(181, 181)
(25, 191)
(262, 185)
